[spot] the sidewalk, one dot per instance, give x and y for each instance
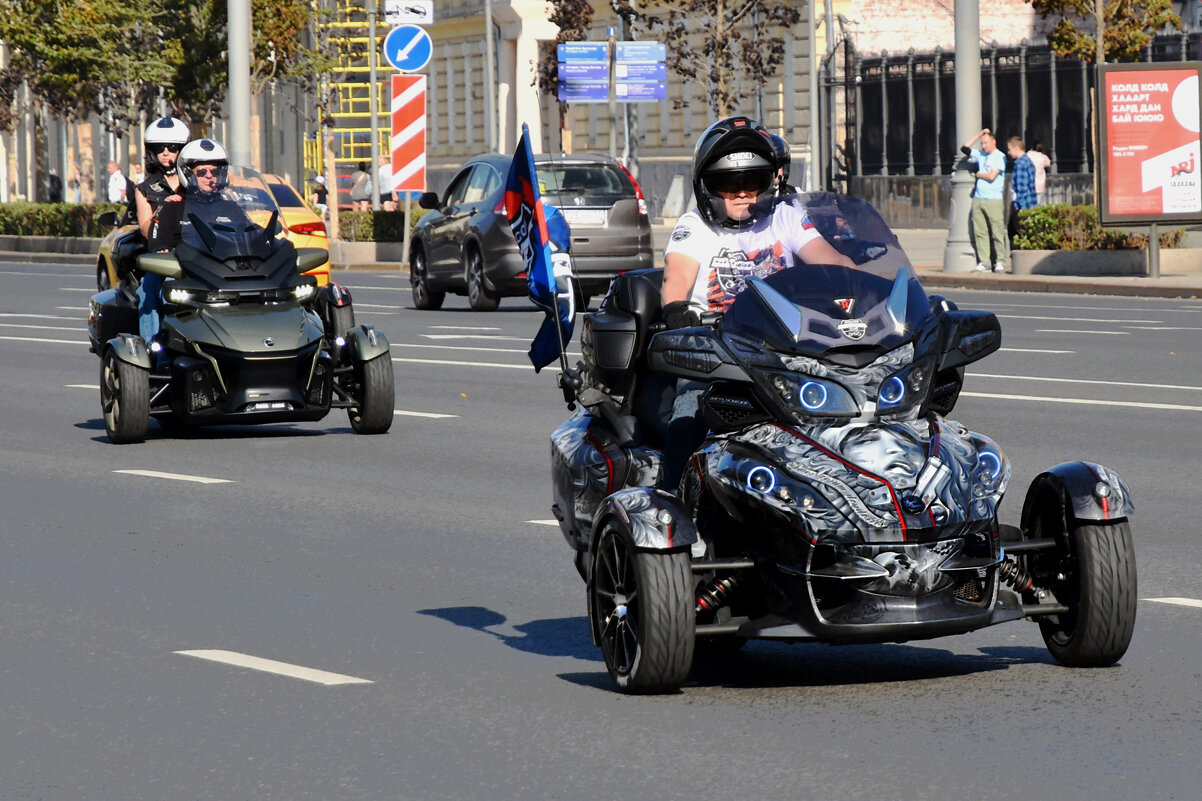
(925, 248)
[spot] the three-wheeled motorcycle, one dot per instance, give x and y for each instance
(834, 499)
(245, 338)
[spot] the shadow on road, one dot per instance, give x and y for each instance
(564, 636)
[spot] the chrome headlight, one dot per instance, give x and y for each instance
(807, 396)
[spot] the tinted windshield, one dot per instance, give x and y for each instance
(816, 309)
(233, 222)
(284, 195)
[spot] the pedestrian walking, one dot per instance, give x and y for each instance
(1022, 184)
(320, 194)
(388, 198)
(1041, 162)
(361, 188)
(118, 185)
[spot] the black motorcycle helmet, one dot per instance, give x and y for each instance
(733, 154)
(783, 161)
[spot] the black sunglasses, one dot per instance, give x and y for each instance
(205, 172)
(170, 148)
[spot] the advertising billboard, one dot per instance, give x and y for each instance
(1150, 149)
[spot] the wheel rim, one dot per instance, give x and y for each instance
(110, 393)
(617, 603)
(418, 275)
(475, 279)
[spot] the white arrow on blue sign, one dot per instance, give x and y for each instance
(408, 48)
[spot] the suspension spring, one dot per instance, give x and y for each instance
(716, 594)
(1010, 573)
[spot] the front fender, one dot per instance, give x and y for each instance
(366, 342)
(657, 521)
(1084, 490)
(130, 348)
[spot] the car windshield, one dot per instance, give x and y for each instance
(558, 181)
(815, 309)
(284, 195)
(233, 223)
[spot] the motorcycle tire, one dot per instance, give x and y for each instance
(1100, 589)
(124, 399)
(377, 393)
(643, 604)
(342, 319)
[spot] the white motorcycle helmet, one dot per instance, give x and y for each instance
(164, 131)
(204, 151)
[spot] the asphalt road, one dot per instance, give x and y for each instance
(418, 571)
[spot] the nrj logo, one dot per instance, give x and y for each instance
(1184, 168)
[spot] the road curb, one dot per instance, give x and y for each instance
(1128, 287)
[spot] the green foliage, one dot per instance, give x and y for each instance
(54, 219)
(1128, 27)
(111, 58)
(376, 226)
(1064, 227)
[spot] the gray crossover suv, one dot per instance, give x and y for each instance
(463, 244)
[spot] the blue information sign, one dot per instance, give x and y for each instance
(408, 48)
(572, 71)
(641, 72)
(582, 51)
(583, 92)
(639, 91)
(641, 51)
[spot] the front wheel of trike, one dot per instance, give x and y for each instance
(643, 607)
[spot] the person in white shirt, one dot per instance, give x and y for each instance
(738, 229)
(388, 198)
(118, 184)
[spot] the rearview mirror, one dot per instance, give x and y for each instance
(428, 200)
(107, 218)
(310, 258)
(968, 336)
(164, 264)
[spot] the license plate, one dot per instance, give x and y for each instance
(584, 216)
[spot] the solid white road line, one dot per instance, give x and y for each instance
(433, 415)
(175, 476)
(1194, 602)
(45, 341)
(1073, 319)
(463, 364)
(1032, 350)
(14, 315)
(40, 327)
(82, 386)
(485, 337)
(1085, 401)
(1081, 331)
(1087, 381)
(543, 522)
(271, 666)
(464, 328)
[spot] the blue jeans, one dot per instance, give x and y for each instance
(148, 306)
(686, 432)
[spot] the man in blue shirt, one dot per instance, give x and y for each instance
(988, 206)
(1022, 182)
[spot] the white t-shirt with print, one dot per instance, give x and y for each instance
(728, 256)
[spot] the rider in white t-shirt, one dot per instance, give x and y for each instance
(739, 229)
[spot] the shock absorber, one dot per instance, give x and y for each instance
(716, 594)
(1011, 573)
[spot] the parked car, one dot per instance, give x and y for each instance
(464, 244)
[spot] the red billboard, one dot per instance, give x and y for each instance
(1150, 165)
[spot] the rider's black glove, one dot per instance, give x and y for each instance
(678, 315)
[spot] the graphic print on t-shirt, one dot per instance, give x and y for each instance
(730, 269)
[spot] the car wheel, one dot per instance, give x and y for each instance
(102, 277)
(124, 399)
(1095, 578)
(376, 395)
(642, 603)
(419, 278)
(479, 296)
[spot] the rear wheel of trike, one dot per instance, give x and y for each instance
(643, 605)
(377, 392)
(1096, 579)
(124, 399)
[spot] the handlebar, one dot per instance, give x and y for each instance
(708, 319)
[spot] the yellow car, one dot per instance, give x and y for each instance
(304, 229)
(302, 226)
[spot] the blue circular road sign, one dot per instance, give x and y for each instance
(408, 47)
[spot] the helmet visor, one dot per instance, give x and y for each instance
(753, 182)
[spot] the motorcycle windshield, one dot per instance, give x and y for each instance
(234, 222)
(814, 310)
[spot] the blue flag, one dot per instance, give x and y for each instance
(543, 240)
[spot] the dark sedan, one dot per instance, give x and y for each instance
(464, 244)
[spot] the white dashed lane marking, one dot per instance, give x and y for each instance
(175, 476)
(271, 666)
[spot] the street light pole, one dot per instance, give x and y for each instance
(238, 41)
(958, 254)
(373, 101)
